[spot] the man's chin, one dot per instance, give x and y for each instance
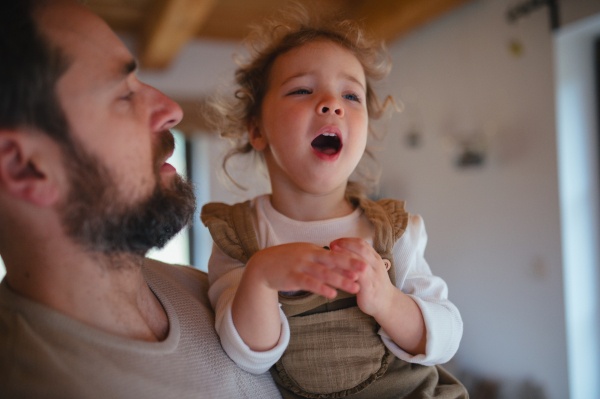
(153, 222)
(112, 227)
(96, 217)
(168, 181)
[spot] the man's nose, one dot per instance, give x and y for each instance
(166, 113)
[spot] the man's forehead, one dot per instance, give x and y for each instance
(85, 39)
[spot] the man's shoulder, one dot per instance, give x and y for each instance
(174, 270)
(28, 366)
(186, 278)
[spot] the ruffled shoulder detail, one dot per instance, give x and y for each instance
(397, 214)
(231, 229)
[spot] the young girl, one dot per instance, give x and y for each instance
(316, 279)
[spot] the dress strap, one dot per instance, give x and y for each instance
(390, 220)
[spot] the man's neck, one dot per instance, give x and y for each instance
(108, 293)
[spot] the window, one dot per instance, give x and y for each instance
(2, 269)
(577, 130)
(177, 250)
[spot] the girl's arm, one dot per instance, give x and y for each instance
(444, 326)
(225, 275)
(419, 323)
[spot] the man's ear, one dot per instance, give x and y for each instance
(257, 138)
(22, 169)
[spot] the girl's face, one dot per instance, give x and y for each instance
(313, 123)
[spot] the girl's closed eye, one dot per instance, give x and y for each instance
(300, 91)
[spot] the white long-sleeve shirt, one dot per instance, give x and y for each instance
(413, 277)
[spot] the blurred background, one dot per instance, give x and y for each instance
(497, 148)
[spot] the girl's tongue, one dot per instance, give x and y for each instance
(327, 143)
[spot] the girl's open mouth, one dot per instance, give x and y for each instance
(327, 144)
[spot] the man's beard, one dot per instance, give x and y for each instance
(96, 216)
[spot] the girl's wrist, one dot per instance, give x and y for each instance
(255, 276)
(391, 303)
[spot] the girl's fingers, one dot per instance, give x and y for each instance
(332, 278)
(356, 246)
(341, 260)
(366, 256)
(307, 282)
(353, 244)
(346, 273)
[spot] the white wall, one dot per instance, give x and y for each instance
(198, 69)
(494, 231)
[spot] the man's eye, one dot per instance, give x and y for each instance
(128, 96)
(352, 97)
(301, 91)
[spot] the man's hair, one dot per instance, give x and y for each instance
(30, 66)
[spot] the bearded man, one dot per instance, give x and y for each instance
(84, 193)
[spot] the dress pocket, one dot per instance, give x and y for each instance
(332, 354)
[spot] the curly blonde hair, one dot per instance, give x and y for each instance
(230, 115)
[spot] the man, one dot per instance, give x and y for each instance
(84, 193)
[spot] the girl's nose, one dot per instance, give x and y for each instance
(330, 106)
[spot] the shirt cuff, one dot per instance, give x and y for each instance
(443, 335)
(251, 361)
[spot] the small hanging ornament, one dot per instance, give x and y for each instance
(516, 48)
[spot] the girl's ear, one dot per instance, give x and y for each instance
(257, 138)
(22, 169)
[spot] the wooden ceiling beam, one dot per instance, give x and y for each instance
(173, 23)
(389, 19)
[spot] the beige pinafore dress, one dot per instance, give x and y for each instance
(334, 349)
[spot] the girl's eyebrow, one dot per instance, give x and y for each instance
(351, 78)
(298, 75)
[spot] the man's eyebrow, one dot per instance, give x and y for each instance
(130, 67)
(122, 71)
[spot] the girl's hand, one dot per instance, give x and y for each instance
(289, 267)
(397, 313)
(376, 289)
(306, 267)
